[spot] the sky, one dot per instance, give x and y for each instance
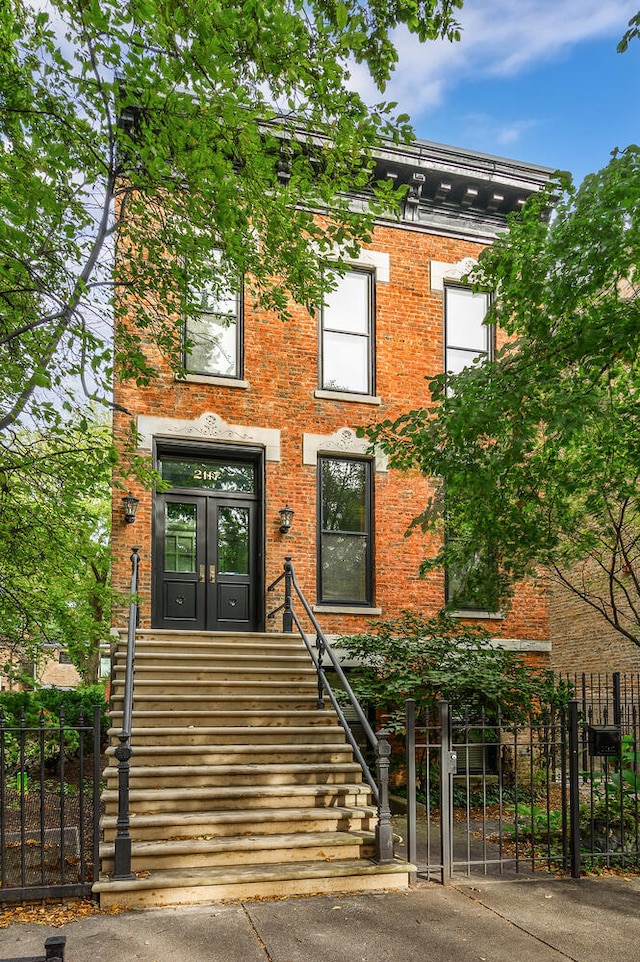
(533, 80)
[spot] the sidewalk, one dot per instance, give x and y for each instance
(593, 920)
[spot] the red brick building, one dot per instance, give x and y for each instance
(265, 418)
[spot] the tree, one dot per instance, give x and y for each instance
(215, 125)
(536, 456)
(149, 151)
(55, 521)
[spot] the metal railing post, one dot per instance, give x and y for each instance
(411, 786)
(446, 800)
(122, 843)
(384, 828)
(287, 612)
(574, 789)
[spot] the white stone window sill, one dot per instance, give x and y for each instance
(347, 396)
(478, 615)
(214, 380)
(344, 610)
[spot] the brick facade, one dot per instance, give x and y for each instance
(582, 641)
(279, 393)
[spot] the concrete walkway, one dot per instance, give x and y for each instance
(593, 920)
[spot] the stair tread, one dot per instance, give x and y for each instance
(239, 791)
(234, 816)
(218, 875)
(256, 768)
(234, 843)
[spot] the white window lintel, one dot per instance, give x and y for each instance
(343, 442)
(442, 272)
(208, 427)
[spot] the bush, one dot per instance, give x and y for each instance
(441, 658)
(74, 702)
(41, 708)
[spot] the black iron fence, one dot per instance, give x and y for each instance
(557, 792)
(49, 807)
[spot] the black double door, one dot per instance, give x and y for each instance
(206, 560)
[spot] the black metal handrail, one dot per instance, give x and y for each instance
(122, 845)
(379, 742)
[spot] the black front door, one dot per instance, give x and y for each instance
(206, 547)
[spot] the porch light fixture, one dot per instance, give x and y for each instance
(286, 515)
(130, 504)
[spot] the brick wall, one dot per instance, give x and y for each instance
(281, 368)
(581, 638)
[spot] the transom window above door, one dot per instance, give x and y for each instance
(208, 474)
(346, 339)
(213, 337)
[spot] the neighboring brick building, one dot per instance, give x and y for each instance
(266, 417)
(582, 641)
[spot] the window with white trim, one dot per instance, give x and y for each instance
(213, 337)
(347, 341)
(467, 337)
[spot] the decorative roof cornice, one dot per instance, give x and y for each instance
(451, 189)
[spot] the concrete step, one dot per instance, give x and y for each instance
(238, 701)
(222, 824)
(166, 639)
(212, 718)
(237, 754)
(243, 850)
(254, 657)
(211, 687)
(170, 776)
(175, 886)
(229, 735)
(243, 797)
(181, 673)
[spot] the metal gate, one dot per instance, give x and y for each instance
(558, 793)
(49, 808)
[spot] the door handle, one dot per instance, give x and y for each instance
(212, 574)
(201, 578)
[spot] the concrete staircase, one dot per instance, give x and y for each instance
(240, 786)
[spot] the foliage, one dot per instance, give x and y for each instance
(44, 734)
(75, 703)
(432, 659)
(215, 125)
(537, 823)
(54, 544)
(536, 456)
(609, 821)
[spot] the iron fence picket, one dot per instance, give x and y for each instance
(48, 850)
(532, 796)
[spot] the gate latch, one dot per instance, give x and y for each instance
(452, 763)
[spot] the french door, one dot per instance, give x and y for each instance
(206, 556)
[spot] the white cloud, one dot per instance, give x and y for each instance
(499, 38)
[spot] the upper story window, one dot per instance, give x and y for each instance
(346, 355)
(214, 336)
(466, 336)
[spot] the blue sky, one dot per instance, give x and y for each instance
(534, 80)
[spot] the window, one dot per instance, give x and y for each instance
(347, 335)
(214, 335)
(345, 551)
(467, 586)
(466, 336)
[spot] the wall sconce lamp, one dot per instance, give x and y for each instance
(286, 515)
(130, 505)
